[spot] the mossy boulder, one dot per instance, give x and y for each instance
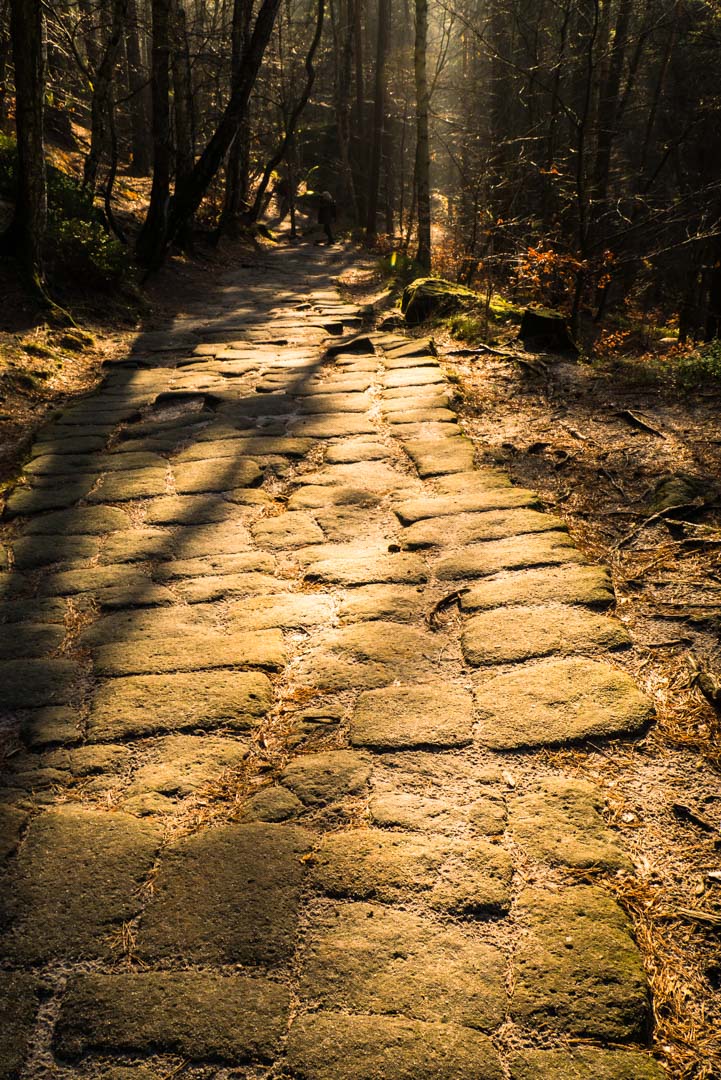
(545, 330)
(680, 494)
(431, 297)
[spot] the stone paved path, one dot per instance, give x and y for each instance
(276, 644)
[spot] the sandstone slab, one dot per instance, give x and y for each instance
(332, 426)
(203, 590)
(201, 650)
(31, 640)
(335, 403)
(289, 530)
(30, 552)
(317, 779)
(431, 415)
(368, 655)
(332, 1046)
(136, 545)
(24, 501)
(185, 763)
(433, 457)
(75, 881)
(18, 1008)
(470, 528)
(414, 376)
(216, 474)
(148, 704)
(134, 484)
(511, 634)
(55, 724)
(195, 509)
(461, 878)
(558, 701)
(228, 895)
(584, 1063)
(272, 804)
(67, 464)
(562, 824)
(363, 958)
(90, 521)
(374, 476)
(319, 496)
(401, 603)
(344, 524)
(12, 822)
(516, 553)
(353, 450)
(491, 498)
(227, 537)
(390, 808)
(577, 967)
(198, 1016)
(28, 684)
(589, 586)
(431, 714)
(93, 579)
(366, 567)
(290, 611)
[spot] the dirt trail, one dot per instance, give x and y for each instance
(278, 651)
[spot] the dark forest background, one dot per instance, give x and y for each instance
(568, 151)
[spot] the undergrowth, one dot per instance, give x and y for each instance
(78, 246)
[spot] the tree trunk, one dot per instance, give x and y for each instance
(141, 148)
(608, 107)
(102, 86)
(91, 34)
(713, 318)
(344, 75)
(155, 222)
(5, 46)
(293, 118)
(163, 229)
(379, 108)
(182, 97)
(423, 255)
(238, 164)
(25, 235)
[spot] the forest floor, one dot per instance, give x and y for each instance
(571, 432)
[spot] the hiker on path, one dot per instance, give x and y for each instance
(327, 213)
(282, 192)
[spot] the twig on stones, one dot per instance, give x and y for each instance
(442, 604)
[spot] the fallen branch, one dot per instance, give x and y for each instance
(695, 504)
(685, 813)
(638, 422)
(706, 918)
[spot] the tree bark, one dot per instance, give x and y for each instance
(238, 164)
(164, 228)
(25, 235)
(102, 87)
(182, 97)
(379, 108)
(155, 222)
(423, 256)
(294, 116)
(608, 106)
(5, 47)
(141, 149)
(344, 75)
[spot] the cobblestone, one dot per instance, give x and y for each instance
(259, 755)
